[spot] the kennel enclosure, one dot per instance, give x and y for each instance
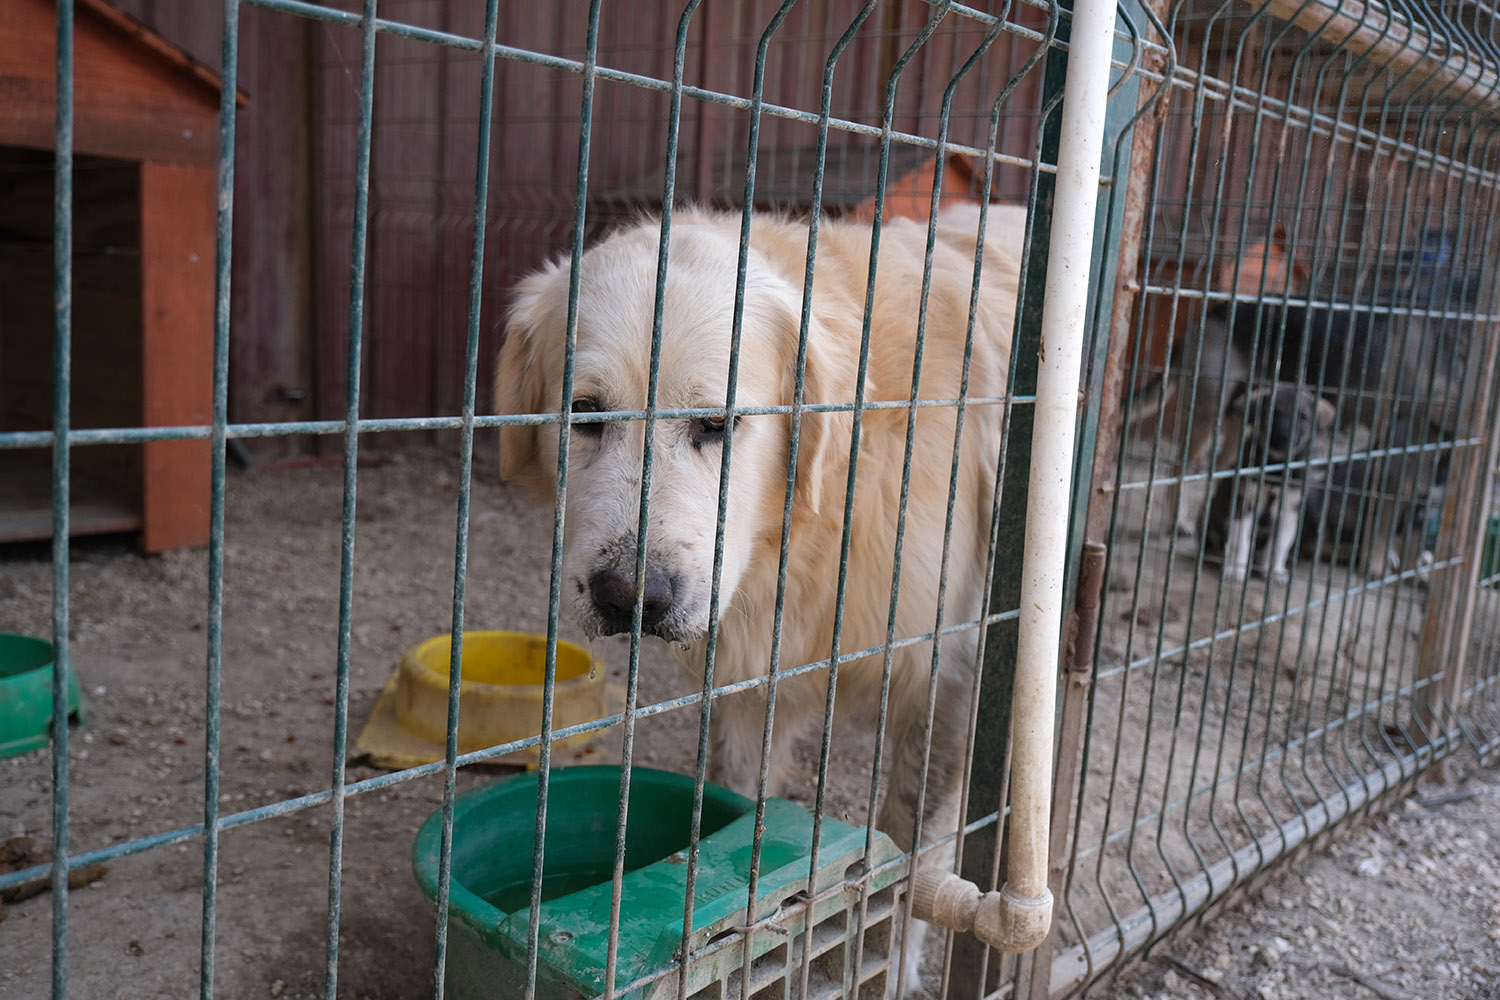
(429, 153)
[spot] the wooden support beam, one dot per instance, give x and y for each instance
(1450, 70)
(178, 213)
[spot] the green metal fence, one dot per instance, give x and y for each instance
(1316, 248)
(1209, 724)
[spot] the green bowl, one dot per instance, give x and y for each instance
(26, 693)
(494, 831)
(582, 931)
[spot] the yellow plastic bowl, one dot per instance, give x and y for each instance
(500, 698)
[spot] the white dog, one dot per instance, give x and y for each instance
(617, 287)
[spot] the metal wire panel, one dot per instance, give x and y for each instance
(1294, 510)
(1295, 246)
(855, 98)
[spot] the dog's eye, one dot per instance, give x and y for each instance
(587, 404)
(709, 430)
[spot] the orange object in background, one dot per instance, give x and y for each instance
(910, 195)
(142, 286)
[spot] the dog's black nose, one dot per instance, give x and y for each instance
(613, 592)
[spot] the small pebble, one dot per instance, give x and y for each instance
(1273, 951)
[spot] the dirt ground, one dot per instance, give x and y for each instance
(137, 627)
(1410, 903)
(1407, 908)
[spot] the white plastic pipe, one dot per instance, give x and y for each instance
(1018, 916)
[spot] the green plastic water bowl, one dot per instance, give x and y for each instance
(26, 693)
(490, 891)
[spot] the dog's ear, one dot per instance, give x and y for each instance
(823, 444)
(827, 377)
(1327, 413)
(520, 381)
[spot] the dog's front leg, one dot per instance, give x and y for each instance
(938, 795)
(1240, 546)
(736, 736)
(1286, 536)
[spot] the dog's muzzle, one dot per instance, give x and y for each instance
(612, 592)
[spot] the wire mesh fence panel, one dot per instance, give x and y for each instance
(1294, 513)
(751, 298)
(810, 220)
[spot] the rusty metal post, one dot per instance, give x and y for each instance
(1450, 601)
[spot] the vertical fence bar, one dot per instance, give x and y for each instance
(955, 466)
(1488, 472)
(554, 594)
(988, 787)
(986, 188)
(62, 346)
(736, 336)
(1128, 206)
(223, 248)
(351, 480)
(820, 163)
(643, 519)
(881, 175)
(1071, 250)
(975, 955)
(1302, 378)
(1363, 261)
(465, 481)
(1467, 496)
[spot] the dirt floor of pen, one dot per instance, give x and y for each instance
(1406, 906)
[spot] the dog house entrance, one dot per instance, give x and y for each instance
(105, 491)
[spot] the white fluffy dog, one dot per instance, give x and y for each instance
(617, 287)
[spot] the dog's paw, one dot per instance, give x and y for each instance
(905, 979)
(1424, 567)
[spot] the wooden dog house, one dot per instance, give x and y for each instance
(146, 145)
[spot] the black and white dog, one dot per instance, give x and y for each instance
(1255, 516)
(1398, 376)
(1306, 486)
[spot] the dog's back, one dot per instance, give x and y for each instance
(1337, 353)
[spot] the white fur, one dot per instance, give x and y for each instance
(615, 306)
(1241, 546)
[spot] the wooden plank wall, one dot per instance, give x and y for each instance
(271, 360)
(295, 148)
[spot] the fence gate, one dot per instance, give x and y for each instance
(1281, 543)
